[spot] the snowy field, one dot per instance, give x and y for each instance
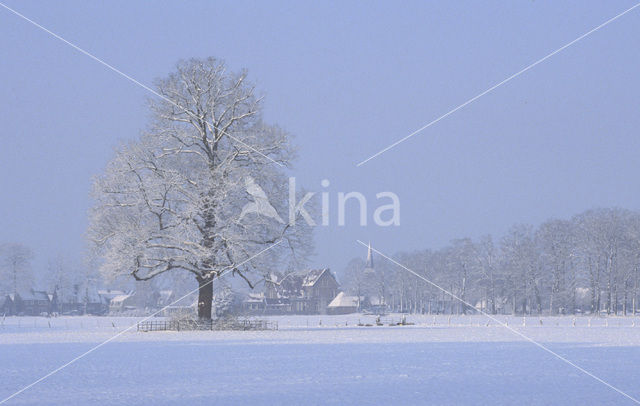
(323, 360)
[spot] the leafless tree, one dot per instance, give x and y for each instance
(590, 262)
(15, 266)
(173, 199)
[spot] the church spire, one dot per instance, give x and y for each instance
(369, 264)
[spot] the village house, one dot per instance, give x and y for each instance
(78, 300)
(304, 292)
(7, 307)
(343, 304)
(31, 302)
(254, 303)
(320, 287)
(107, 294)
(140, 301)
(126, 302)
(94, 303)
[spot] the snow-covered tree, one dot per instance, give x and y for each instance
(15, 267)
(353, 278)
(68, 278)
(557, 267)
(224, 300)
(556, 243)
(173, 199)
(488, 271)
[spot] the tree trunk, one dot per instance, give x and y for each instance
(635, 290)
(493, 295)
(205, 298)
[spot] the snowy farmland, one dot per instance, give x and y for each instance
(323, 360)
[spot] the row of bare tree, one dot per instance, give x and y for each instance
(62, 274)
(589, 263)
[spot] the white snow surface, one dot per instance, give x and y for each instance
(440, 360)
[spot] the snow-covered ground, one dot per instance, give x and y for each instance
(323, 360)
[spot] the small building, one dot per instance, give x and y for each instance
(303, 292)
(67, 301)
(279, 305)
(254, 303)
(7, 307)
(107, 294)
(79, 300)
(123, 303)
(32, 303)
(343, 304)
(94, 303)
(320, 287)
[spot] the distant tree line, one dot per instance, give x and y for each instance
(589, 263)
(62, 274)
(15, 267)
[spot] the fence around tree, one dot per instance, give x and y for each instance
(223, 324)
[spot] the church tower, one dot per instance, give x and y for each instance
(368, 268)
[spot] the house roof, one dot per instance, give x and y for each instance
(119, 299)
(292, 284)
(67, 296)
(109, 294)
(35, 295)
(313, 276)
(342, 300)
(80, 295)
(254, 298)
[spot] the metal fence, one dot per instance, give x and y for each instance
(190, 325)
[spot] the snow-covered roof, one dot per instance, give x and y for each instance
(34, 295)
(80, 295)
(67, 296)
(109, 294)
(255, 297)
(342, 300)
(120, 299)
(292, 284)
(313, 276)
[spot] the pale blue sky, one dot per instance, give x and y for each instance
(347, 79)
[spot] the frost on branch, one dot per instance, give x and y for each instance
(172, 199)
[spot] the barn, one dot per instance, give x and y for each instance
(343, 304)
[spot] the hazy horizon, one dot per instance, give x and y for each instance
(346, 81)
